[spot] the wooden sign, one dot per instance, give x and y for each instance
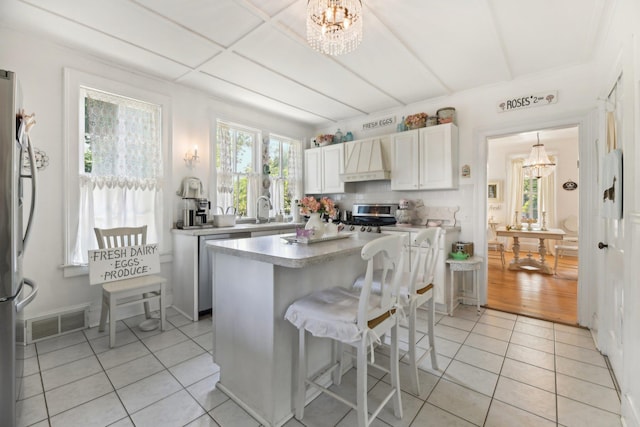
(108, 265)
(528, 101)
(386, 121)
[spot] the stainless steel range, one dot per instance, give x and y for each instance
(370, 217)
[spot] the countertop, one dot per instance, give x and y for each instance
(416, 228)
(238, 228)
(275, 250)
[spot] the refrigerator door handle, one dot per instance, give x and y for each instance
(27, 300)
(34, 176)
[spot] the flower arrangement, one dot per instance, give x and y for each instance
(324, 139)
(414, 121)
(310, 205)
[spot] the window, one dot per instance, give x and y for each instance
(284, 172)
(238, 172)
(115, 156)
(530, 197)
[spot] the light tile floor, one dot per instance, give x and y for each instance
(495, 369)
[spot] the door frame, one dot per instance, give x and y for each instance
(587, 297)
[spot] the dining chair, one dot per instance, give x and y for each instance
(121, 293)
(358, 318)
(569, 242)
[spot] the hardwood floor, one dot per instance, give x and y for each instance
(543, 296)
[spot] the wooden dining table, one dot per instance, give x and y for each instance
(530, 262)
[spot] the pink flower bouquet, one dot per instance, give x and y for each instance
(310, 204)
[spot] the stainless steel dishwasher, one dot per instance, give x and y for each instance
(205, 273)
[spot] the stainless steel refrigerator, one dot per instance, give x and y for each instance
(16, 291)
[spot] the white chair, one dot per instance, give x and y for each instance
(420, 291)
(356, 318)
(570, 241)
(493, 244)
(121, 293)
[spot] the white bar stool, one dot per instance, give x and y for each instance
(357, 318)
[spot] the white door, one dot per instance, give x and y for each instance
(610, 260)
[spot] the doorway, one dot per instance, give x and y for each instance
(551, 204)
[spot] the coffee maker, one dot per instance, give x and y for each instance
(202, 210)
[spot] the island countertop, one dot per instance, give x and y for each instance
(277, 251)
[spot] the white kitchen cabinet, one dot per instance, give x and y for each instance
(322, 169)
(425, 159)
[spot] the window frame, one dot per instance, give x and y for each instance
(74, 148)
(281, 139)
(258, 147)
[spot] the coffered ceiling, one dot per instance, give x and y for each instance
(255, 51)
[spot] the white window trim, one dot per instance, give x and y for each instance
(72, 103)
(257, 157)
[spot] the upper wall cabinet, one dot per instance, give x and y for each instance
(322, 169)
(425, 159)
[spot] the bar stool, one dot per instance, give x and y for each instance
(420, 291)
(356, 318)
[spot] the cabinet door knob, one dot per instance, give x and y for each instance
(602, 245)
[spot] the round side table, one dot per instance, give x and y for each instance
(470, 264)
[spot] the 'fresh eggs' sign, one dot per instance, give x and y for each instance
(386, 121)
(108, 265)
(528, 101)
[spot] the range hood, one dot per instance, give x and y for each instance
(364, 162)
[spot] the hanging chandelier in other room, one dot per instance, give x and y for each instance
(334, 27)
(538, 164)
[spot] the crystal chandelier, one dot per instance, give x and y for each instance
(538, 164)
(334, 27)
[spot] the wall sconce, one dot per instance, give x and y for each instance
(191, 158)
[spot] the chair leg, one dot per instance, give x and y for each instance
(432, 334)
(103, 314)
(336, 361)
(395, 372)
(502, 256)
(147, 309)
(302, 375)
(555, 261)
(163, 310)
(413, 357)
(361, 388)
(112, 320)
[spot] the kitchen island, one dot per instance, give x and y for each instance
(254, 281)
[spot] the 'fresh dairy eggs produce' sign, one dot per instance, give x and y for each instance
(107, 265)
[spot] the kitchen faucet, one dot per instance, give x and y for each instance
(259, 219)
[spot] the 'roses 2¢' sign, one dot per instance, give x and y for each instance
(528, 101)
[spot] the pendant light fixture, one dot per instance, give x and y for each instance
(334, 27)
(538, 164)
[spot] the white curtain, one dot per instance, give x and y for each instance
(224, 175)
(548, 204)
(516, 181)
(124, 186)
(295, 171)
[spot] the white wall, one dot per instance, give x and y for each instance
(39, 66)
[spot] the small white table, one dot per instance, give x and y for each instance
(470, 264)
